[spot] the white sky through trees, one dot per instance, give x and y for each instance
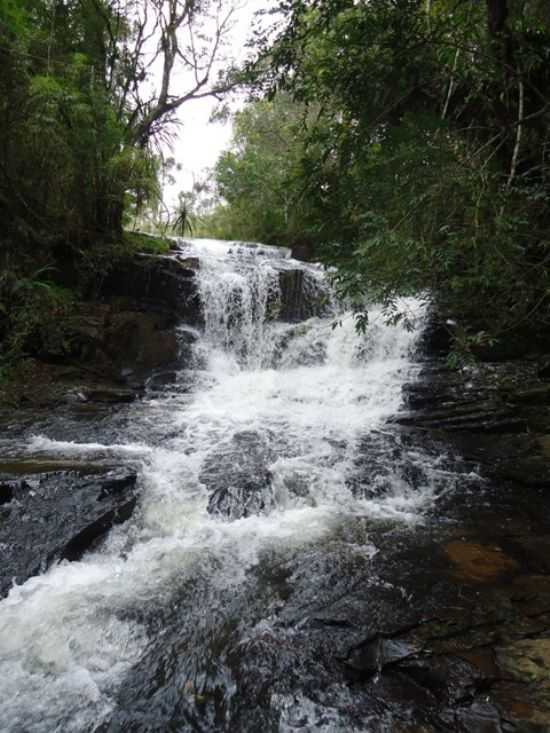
(198, 142)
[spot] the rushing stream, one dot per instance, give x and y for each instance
(268, 446)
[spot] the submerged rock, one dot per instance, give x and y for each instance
(375, 655)
(107, 394)
(238, 477)
(480, 563)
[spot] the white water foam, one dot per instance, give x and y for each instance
(306, 392)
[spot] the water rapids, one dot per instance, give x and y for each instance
(253, 454)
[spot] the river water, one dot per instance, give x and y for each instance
(268, 446)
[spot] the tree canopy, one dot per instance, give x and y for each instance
(424, 164)
(87, 90)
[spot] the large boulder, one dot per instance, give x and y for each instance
(47, 517)
(157, 281)
(134, 339)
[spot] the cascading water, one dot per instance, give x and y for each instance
(259, 452)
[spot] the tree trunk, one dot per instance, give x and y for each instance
(497, 14)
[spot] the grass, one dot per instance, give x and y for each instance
(148, 243)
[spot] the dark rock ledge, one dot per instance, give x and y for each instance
(103, 351)
(471, 652)
(51, 512)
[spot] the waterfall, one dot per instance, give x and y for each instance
(261, 453)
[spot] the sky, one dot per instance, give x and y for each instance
(199, 142)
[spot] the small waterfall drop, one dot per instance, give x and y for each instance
(259, 454)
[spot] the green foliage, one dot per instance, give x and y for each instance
(424, 168)
(83, 109)
(149, 243)
(65, 166)
(26, 305)
(260, 178)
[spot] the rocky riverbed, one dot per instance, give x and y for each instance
(420, 603)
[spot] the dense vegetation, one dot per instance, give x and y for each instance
(409, 141)
(405, 142)
(87, 95)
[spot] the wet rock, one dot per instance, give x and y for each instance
(381, 462)
(486, 417)
(536, 552)
(186, 338)
(291, 284)
(482, 660)
(479, 718)
(536, 395)
(526, 660)
(544, 445)
(522, 708)
(159, 280)
(523, 690)
(301, 296)
(61, 515)
(108, 348)
(107, 394)
(437, 336)
(190, 263)
(489, 399)
(531, 471)
(7, 492)
(116, 482)
(141, 340)
(159, 382)
(304, 251)
(75, 548)
(479, 563)
(238, 477)
(79, 335)
(29, 466)
(289, 352)
(372, 657)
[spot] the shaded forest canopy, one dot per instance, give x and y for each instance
(404, 142)
(89, 90)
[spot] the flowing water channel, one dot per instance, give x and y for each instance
(267, 448)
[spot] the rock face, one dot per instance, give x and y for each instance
(106, 346)
(157, 281)
(59, 515)
(301, 296)
(131, 327)
(118, 333)
(141, 340)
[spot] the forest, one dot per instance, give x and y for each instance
(404, 143)
(88, 99)
(275, 446)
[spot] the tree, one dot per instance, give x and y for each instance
(87, 96)
(260, 176)
(89, 91)
(427, 168)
